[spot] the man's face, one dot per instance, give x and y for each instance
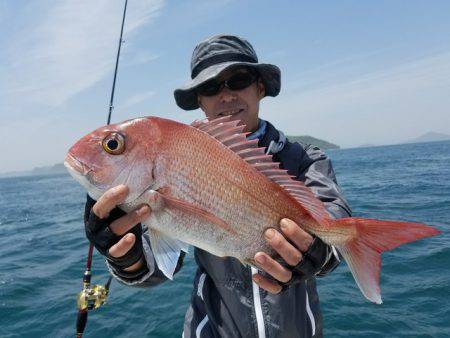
(241, 104)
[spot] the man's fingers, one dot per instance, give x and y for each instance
(123, 246)
(286, 250)
(266, 284)
(125, 223)
(109, 200)
(272, 267)
(297, 235)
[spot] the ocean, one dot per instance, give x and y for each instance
(43, 252)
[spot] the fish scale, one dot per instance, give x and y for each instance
(248, 211)
(220, 197)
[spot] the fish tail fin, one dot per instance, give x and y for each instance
(371, 238)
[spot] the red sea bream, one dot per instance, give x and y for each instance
(210, 187)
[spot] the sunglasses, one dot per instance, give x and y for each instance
(237, 81)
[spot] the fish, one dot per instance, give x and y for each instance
(210, 187)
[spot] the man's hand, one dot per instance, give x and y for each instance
(121, 241)
(292, 254)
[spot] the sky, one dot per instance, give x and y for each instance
(353, 72)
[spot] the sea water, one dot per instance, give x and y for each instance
(43, 251)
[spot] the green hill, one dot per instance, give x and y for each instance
(314, 141)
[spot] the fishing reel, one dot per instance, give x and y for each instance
(92, 297)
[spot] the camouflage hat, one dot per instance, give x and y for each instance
(218, 53)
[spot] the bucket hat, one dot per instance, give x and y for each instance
(218, 53)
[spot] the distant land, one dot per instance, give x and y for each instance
(54, 169)
(313, 141)
(431, 136)
(58, 168)
(367, 145)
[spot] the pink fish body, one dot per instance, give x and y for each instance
(210, 187)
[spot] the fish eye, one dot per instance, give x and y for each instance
(114, 144)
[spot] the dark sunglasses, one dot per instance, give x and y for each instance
(237, 81)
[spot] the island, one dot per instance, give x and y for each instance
(431, 136)
(305, 139)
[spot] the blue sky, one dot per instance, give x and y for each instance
(353, 72)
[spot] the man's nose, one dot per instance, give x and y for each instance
(227, 95)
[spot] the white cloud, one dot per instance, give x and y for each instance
(68, 46)
(386, 106)
(136, 99)
(53, 51)
(140, 57)
(372, 87)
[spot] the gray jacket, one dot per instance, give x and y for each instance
(225, 302)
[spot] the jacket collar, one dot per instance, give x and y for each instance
(258, 133)
(272, 139)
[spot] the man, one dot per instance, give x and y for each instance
(229, 299)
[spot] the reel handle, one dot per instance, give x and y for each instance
(91, 298)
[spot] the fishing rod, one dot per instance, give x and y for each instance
(91, 298)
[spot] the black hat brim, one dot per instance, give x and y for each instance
(186, 97)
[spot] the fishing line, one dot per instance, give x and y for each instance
(91, 298)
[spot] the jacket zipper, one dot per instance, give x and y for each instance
(258, 308)
(309, 312)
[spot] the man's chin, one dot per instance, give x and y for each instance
(236, 116)
(242, 117)
(243, 120)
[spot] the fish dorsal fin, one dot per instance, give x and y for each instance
(230, 134)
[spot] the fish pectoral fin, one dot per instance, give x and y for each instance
(171, 202)
(166, 251)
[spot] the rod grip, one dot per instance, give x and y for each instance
(81, 322)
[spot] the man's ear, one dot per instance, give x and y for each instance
(261, 89)
(199, 101)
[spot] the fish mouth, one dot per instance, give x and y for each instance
(83, 174)
(74, 164)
